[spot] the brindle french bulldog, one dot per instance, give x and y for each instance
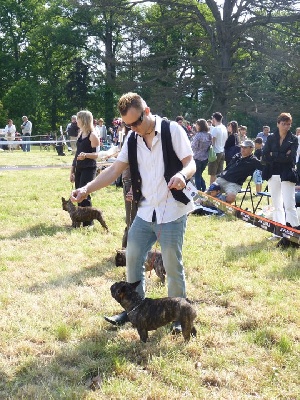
(149, 314)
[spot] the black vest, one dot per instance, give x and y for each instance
(171, 162)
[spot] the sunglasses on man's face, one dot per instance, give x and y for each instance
(137, 122)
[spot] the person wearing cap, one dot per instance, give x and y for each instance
(240, 167)
(219, 136)
(279, 157)
(215, 191)
(26, 128)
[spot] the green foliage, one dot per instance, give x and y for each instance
(3, 116)
(185, 57)
(22, 99)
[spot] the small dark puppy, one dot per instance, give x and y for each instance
(150, 314)
(82, 214)
(153, 261)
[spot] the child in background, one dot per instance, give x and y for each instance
(215, 191)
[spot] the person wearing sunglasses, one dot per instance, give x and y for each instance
(160, 158)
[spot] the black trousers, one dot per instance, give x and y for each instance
(82, 177)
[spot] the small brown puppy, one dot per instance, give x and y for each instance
(82, 214)
(150, 314)
(153, 261)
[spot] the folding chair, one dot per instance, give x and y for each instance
(261, 195)
(244, 192)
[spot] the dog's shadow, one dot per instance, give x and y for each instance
(138, 352)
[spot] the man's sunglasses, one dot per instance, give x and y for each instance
(137, 122)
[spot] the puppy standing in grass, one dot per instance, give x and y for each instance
(149, 314)
(160, 158)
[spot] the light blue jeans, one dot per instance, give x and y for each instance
(141, 236)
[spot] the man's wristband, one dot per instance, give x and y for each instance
(184, 176)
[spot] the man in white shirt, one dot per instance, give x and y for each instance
(219, 135)
(26, 128)
(151, 151)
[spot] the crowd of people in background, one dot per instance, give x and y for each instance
(234, 151)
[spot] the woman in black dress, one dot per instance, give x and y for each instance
(84, 164)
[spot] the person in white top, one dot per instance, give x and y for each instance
(102, 130)
(219, 136)
(10, 132)
(156, 183)
(26, 128)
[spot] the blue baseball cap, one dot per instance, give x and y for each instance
(214, 186)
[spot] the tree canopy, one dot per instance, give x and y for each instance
(189, 57)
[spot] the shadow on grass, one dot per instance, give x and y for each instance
(44, 229)
(40, 230)
(78, 279)
(104, 353)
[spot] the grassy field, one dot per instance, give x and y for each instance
(55, 284)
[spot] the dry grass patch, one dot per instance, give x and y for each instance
(55, 289)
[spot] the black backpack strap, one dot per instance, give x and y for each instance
(136, 179)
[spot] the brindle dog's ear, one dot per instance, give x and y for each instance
(135, 284)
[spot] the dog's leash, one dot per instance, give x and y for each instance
(158, 236)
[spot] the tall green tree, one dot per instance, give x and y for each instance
(227, 30)
(107, 24)
(56, 45)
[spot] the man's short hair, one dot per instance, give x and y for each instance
(258, 140)
(179, 118)
(218, 116)
(129, 100)
(266, 127)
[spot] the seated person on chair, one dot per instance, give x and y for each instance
(240, 167)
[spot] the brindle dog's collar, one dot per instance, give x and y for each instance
(134, 308)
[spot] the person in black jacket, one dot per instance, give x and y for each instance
(279, 157)
(239, 168)
(232, 143)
